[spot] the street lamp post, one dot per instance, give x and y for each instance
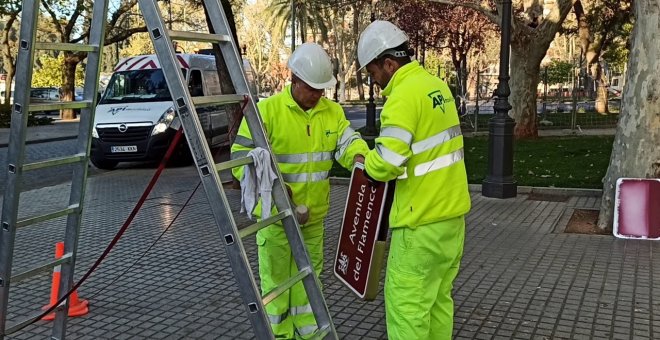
(293, 25)
(499, 182)
(370, 128)
(545, 90)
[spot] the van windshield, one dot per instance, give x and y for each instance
(137, 86)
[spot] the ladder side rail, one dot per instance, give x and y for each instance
(206, 168)
(16, 151)
(83, 145)
(235, 66)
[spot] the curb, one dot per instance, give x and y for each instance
(527, 190)
(45, 140)
(523, 190)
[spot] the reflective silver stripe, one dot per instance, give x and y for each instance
(301, 310)
(439, 163)
(321, 156)
(346, 139)
(436, 140)
(297, 158)
(405, 174)
(275, 319)
(347, 136)
(294, 178)
(244, 141)
(390, 156)
(292, 158)
(398, 133)
(239, 154)
(307, 330)
(302, 178)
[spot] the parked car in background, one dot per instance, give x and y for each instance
(45, 95)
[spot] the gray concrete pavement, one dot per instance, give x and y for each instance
(521, 276)
(59, 130)
(64, 130)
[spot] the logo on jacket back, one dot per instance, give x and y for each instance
(439, 100)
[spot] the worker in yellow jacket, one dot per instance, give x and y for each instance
(306, 131)
(421, 146)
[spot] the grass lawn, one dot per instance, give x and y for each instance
(566, 162)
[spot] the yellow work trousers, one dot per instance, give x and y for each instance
(290, 313)
(422, 265)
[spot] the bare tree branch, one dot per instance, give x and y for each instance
(483, 10)
(74, 18)
(53, 16)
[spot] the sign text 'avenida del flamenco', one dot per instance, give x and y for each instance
(362, 239)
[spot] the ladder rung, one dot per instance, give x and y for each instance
(65, 47)
(79, 157)
(200, 37)
(41, 268)
(247, 231)
(25, 322)
(60, 105)
(218, 100)
(74, 208)
(277, 291)
(234, 163)
(322, 332)
(19, 325)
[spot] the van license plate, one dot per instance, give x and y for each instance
(123, 148)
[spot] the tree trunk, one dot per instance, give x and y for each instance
(10, 78)
(464, 76)
(234, 113)
(525, 77)
(9, 66)
(356, 33)
(360, 87)
(8, 61)
(635, 152)
(602, 105)
(601, 89)
(342, 85)
(68, 84)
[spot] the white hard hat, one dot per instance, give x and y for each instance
(377, 38)
(311, 64)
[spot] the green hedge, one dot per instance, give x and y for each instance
(5, 118)
(566, 162)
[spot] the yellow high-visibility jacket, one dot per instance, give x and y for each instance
(420, 145)
(304, 144)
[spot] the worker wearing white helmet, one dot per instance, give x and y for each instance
(421, 147)
(306, 132)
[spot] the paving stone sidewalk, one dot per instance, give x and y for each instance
(521, 277)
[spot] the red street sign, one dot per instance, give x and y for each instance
(363, 235)
(636, 213)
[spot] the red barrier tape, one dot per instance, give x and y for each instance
(129, 220)
(121, 231)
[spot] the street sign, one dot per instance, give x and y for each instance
(362, 239)
(636, 213)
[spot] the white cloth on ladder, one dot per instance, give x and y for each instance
(257, 180)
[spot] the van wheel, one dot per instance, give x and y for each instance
(104, 164)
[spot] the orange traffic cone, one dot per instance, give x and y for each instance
(76, 307)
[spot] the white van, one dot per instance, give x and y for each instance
(134, 115)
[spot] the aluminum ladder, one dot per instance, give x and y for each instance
(16, 157)
(162, 39)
